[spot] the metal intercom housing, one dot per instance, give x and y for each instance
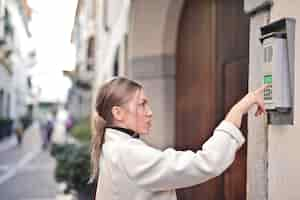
(277, 40)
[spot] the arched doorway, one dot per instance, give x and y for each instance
(151, 61)
(211, 75)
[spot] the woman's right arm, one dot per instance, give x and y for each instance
(239, 109)
(158, 170)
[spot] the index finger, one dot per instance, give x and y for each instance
(262, 88)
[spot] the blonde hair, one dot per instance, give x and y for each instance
(116, 92)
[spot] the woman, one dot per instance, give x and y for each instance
(129, 169)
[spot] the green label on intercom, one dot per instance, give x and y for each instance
(267, 79)
(268, 91)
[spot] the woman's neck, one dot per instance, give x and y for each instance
(128, 131)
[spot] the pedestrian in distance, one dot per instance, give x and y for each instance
(48, 131)
(19, 130)
(69, 123)
(127, 168)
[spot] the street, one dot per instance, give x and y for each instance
(27, 172)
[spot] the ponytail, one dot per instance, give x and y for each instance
(98, 125)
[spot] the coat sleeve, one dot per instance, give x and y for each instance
(157, 170)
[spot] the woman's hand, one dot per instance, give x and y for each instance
(245, 104)
(254, 98)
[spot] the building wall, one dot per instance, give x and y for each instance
(273, 160)
(5, 86)
(19, 89)
(79, 100)
(283, 142)
(85, 28)
(151, 61)
(16, 83)
(111, 29)
(79, 103)
(257, 157)
(149, 29)
(144, 34)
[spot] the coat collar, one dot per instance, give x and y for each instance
(125, 130)
(116, 134)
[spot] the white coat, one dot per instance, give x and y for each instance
(132, 170)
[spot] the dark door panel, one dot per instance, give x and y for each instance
(211, 74)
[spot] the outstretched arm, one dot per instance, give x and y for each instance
(240, 108)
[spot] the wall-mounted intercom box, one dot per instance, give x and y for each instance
(278, 40)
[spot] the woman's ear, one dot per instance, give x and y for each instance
(117, 113)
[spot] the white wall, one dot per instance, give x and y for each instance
(151, 54)
(5, 85)
(80, 108)
(273, 161)
(153, 27)
(257, 141)
(21, 46)
(19, 89)
(284, 160)
(107, 42)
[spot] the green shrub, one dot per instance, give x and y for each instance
(73, 165)
(82, 131)
(73, 160)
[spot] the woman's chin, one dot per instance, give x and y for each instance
(145, 132)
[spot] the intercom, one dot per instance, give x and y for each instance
(277, 40)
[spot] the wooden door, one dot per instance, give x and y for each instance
(211, 75)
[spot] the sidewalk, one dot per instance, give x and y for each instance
(11, 141)
(7, 143)
(20, 165)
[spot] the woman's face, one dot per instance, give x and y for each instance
(138, 114)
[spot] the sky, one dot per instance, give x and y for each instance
(51, 27)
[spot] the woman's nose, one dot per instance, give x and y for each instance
(149, 112)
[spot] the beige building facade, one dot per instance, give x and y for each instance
(272, 155)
